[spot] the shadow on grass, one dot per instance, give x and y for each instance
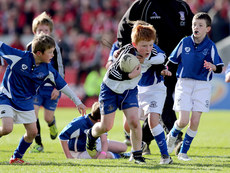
(151, 165)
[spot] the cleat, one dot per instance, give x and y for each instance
(17, 161)
(165, 159)
(170, 143)
(37, 149)
(53, 131)
(137, 157)
(178, 147)
(184, 157)
(91, 145)
(140, 160)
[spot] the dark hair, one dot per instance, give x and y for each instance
(205, 16)
(95, 113)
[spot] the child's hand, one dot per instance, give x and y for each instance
(141, 59)
(54, 94)
(166, 72)
(209, 66)
(82, 109)
(136, 72)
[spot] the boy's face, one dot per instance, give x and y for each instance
(200, 28)
(46, 56)
(144, 48)
(43, 29)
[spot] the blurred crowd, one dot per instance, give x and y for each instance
(82, 25)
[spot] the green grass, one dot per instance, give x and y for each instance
(210, 151)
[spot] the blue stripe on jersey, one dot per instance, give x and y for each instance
(23, 77)
(151, 76)
(190, 58)
(75, 133)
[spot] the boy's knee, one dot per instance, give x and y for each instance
(6, 130)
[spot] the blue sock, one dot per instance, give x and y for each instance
(175, 130)
(159, 135)
(21, 149)
(189, 136)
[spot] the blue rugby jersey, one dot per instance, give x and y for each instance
(152, 67)
(75, 133)
(190, 58)
(23, 78)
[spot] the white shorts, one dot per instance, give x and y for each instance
(151, 99)
(19, 117)
(192, 95)
(84, 154)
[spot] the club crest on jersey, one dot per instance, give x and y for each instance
(182, 18)
(40, 75)
(205, 52)
(24, 66)
(155, 16)
(187, 49)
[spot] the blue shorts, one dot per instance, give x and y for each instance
(46, 102)
(110, 101)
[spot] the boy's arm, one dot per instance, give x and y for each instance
(212, 67)
(104, 147)
(80, 106)
(65, 148)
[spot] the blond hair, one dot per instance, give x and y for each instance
(42, 19)
(142, 31)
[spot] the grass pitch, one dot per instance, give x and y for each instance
(210, 150)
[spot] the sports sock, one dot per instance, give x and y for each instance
(115, 155)
(38, 138)
(189, 136)
(52, 123)
(159, 135)
(21, 149)
(137, 154)
(175, 130)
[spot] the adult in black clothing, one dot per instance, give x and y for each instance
(172, 20)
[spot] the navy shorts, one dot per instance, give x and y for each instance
(110, 101)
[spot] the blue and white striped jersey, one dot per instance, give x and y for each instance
(190, 58)
(75, 133)
(23, 78)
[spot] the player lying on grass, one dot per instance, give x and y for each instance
(73, 138)
(25, 73)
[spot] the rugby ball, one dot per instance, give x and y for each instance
(128, 62)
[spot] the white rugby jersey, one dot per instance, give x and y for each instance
(23, 78)
(190, 58)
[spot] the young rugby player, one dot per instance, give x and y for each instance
(197, 59)
(73, 138)
(47, 95)
(25, 73)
